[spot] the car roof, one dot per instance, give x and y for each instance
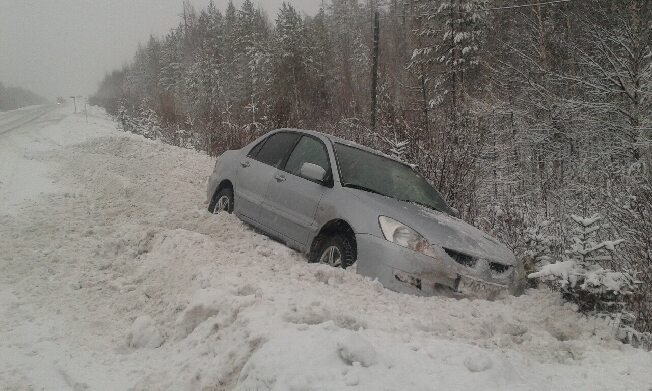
(335, 139)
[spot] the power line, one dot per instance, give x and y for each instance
(526, 5)
(506, 7)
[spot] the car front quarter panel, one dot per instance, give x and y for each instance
(339, 205)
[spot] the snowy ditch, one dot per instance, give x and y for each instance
(121, 280)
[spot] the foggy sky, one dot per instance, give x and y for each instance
(64, 47)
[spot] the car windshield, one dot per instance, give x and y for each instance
(371, 172)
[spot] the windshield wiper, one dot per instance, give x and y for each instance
(422, 204)
(363, 188)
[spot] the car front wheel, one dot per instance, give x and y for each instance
(337, 251)
(223, 201)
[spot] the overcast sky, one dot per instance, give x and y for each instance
(64, 47)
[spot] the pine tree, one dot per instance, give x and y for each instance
(585, 277)
(290, 61)
(320, 67)
(252, 57)
(451, 36)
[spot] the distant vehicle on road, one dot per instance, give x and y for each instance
(341, 203)
(61, 100)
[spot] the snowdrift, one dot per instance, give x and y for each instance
(118, 278)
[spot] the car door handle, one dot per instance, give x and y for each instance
(245, 163)
(279, 177)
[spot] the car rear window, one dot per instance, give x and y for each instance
(276, 148)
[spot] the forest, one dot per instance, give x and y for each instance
(12, 98)
(532, 118)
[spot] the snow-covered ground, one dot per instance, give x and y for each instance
(113, 276)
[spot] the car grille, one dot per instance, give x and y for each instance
(462, 259)
(497, 269)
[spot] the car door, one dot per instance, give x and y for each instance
(257, 169)
(291, 201)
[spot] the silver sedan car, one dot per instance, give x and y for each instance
(342, 204)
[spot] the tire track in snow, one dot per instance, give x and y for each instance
(24, 118)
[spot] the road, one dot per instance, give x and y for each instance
(25, 118)
(22, 132)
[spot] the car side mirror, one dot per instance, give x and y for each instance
(313, 172)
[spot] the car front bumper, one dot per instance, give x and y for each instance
(406, 271)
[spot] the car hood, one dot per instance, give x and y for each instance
(439, 228)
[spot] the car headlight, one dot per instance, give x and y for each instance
(399, 233)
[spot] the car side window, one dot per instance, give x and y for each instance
(254, 151)
(308, 150)
(276, 148)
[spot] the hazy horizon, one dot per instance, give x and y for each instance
(65, 47)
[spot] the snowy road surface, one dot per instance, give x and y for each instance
(18, 173)
(113, 277)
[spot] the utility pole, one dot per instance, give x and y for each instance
(374, 70)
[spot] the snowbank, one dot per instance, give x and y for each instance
(137, 286)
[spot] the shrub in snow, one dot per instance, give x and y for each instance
(532, 239)
(397, 148)
(538, 248)
(148, 122)
(582, 276)
(144, 334)
(507, 223)
(629, 334)
(125, 121)
(630, 214)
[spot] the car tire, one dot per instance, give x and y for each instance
(223, 201)
(336, 251)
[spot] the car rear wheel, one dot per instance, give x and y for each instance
(223, 201)
(337, 251)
